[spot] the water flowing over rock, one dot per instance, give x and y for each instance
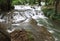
(40, 33)
(20, 20)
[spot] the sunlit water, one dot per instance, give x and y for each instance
(23, 13)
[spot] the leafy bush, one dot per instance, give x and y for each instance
(49, 2)
(18, 2)
(23, 2)
(50, 13)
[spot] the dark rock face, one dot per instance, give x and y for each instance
(4, 35)
(5, 5)
(58, 7)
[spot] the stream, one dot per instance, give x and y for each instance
(24, 13)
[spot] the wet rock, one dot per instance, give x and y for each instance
(44, 34)
(21, 35)
(40, 32)
(4, 35)
(3, 26)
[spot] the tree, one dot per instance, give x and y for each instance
(39, 2)
(56, 5)
(5, 5)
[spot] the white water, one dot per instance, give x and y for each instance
(23, 13)
(36, 13)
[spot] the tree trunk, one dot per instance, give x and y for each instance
(46, 2)
(56, 5)
(5, 5)
(39, 2)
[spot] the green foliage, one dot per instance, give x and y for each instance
(18, 2)
(57, 16)
(30, 36)
(3, 2)
(49, 2)
(23, 2)
(50, 12)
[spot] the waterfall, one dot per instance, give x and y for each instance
(23, 13)
(36, 13)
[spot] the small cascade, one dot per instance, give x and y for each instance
(23, 14)
(26, 12)
(36, 13)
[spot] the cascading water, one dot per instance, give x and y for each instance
(24, 13)
(36, 13)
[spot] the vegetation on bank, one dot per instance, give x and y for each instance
(50, 13)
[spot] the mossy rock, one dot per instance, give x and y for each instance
(21, 35)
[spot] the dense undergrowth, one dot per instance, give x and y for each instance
(50, 13)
